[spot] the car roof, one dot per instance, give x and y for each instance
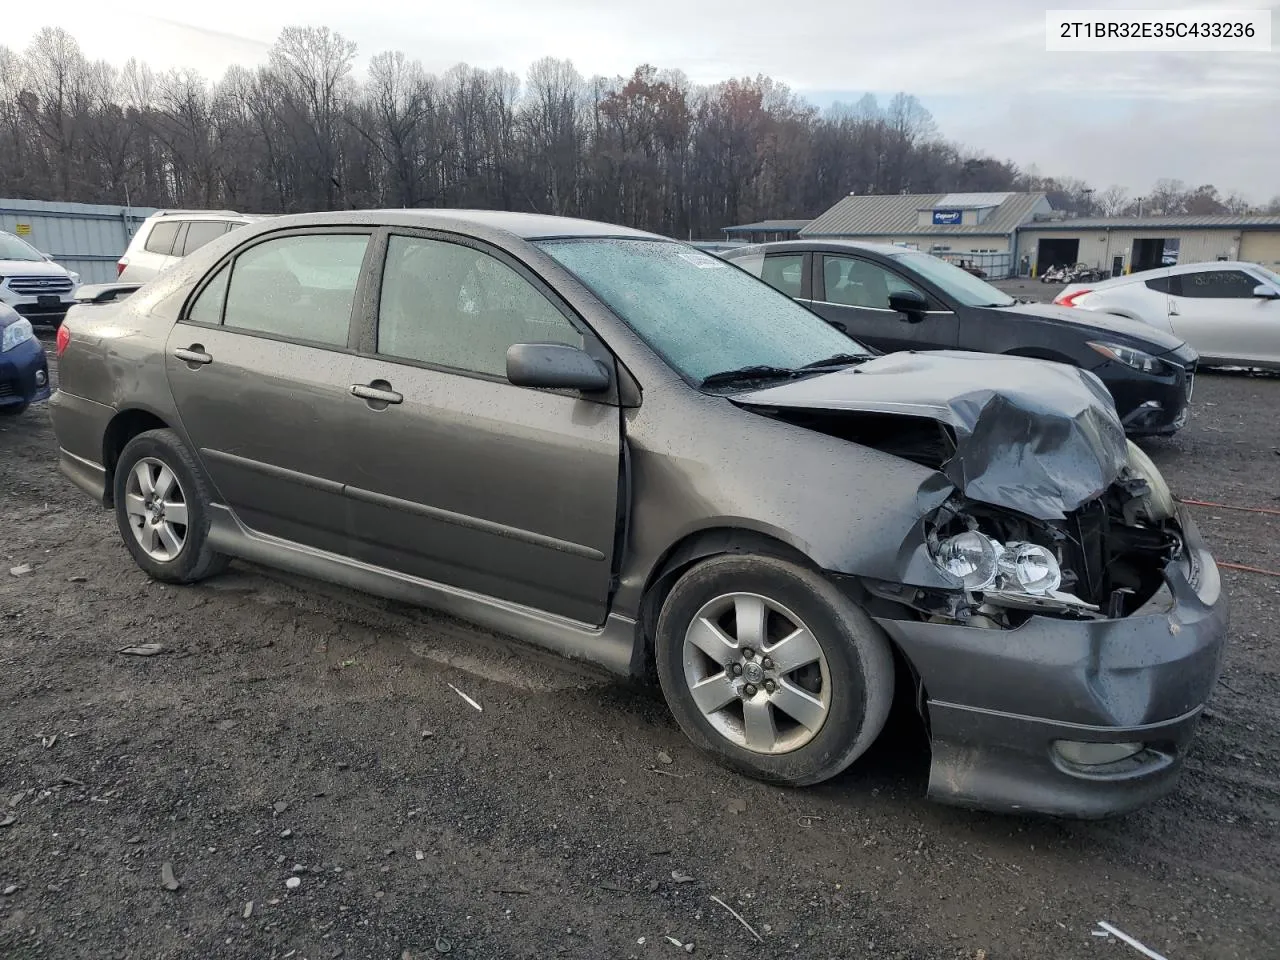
(1211, 265)
(526, 226)
(829, 244)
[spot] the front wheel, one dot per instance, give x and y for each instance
(162, 509)
(768, 667)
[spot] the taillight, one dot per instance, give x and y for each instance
(1065, 299)
(64, 338)
(120, 265)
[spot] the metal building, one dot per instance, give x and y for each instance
(1121, 245)
(765, 231)
(976, 229)
(85, 237)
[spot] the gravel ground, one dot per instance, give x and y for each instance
(297, 732)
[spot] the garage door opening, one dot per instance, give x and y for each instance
(1153, 253)
(1057, 253)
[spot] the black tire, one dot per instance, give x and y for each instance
(14, 410)
(859, 661)
(196, 560)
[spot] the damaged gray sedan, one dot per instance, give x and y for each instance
(623, 449)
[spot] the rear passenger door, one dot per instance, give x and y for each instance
(854, 292)
(460, 477)
(259, 365)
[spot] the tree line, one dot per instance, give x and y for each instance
(652, 150)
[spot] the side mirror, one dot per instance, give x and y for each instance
(1264, 292)
(911, 303)
(555, 366)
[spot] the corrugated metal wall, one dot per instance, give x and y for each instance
(85, 237)
(1098, 248)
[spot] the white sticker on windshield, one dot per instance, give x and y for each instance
(702, 261)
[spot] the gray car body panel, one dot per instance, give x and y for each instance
(695, 472)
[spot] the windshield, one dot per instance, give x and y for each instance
(11, 248)
(958, 284)
(701, 314)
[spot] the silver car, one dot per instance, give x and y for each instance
(627, 450)
(1228, 311)
(167, 236)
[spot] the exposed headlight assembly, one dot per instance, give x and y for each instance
(978, 563)
(970, 559)
(15, 333)
(1158, 503)
(1129, 356)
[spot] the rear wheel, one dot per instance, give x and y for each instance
(162, 509)
(766, 665)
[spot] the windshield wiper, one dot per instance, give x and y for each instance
(837, 360)
(744, 374)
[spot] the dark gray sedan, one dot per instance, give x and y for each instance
(623, 449)
(898, 299)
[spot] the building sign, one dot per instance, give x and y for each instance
(23, 230)
(947, 218)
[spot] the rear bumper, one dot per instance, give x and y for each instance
(80, 426)
(999, 700)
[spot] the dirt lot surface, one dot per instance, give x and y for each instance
(293, 731)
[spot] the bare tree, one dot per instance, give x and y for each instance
(1112, 201)
(651, 149)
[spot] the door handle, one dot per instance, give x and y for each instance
(193, 354)
(375, 393)
(1173, 309)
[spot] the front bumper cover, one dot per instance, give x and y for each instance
(24, 374)
(997, 700)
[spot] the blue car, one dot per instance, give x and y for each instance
(24, 370)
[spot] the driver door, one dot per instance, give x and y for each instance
(459, 477)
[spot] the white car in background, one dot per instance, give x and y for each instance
(32, 284)
(167, 236)
(1227, 310)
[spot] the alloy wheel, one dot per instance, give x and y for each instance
(757, 673)
(157, 509)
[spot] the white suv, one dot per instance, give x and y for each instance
(167, 236)
(32, 284)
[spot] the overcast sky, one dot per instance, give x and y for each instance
(979, 66)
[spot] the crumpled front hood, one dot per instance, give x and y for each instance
(1149, 338)
(1040, 438)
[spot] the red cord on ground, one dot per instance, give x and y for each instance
(1248, 569)
(1227, 506)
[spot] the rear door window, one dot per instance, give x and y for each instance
(201, 232)
(297, 288)
(160, 239)
(784, 272)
